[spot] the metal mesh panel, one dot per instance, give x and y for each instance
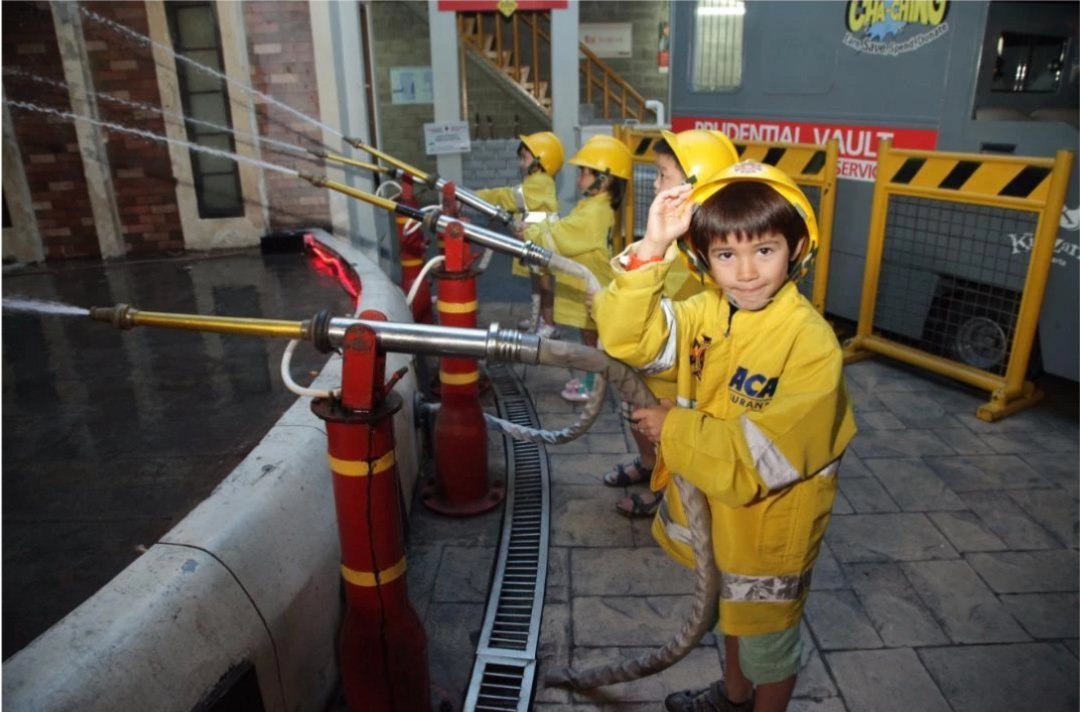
(806, 284)
(951, 281)
(644, 175)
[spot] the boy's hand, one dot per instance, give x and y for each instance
(650, 421)
(669, 219)
(517, 229)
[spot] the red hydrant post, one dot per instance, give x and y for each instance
(461, 486)
(384, 664)
(413, 250)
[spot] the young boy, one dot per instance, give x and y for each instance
(692, 157)
(764, 416)
(540, 156)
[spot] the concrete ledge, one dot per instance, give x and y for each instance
(251, 575)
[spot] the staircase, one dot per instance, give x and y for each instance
(519, 49)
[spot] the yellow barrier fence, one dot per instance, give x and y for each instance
(942, 288)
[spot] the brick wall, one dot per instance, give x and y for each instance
(640, 69)
(491, 164)
(282, 60)
(401, 125)
(141, 169)
(49, 147)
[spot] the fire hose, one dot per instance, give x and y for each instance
(327, 333)
(529, 254)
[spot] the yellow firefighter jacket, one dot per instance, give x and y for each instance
(763, 419)
(585, 237)
(535, 194)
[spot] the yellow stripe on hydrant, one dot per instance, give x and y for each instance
(367, 578)
(413, 262)
(362, 468)
(457, 307)
(458, 379)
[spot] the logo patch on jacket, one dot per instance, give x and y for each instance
(698, 349)
(752, 390)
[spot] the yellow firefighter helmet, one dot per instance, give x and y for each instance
(546, 148)
(605, 154)
(778, 181)
(701, 154)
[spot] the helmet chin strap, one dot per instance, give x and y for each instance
(597, 183)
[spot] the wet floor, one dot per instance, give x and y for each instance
(110, 438)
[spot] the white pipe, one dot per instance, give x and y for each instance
(437, 259)
(657, 106)
(292, 385)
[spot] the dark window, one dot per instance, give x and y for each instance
(7, 214)
(1029, 63)
(194, 31)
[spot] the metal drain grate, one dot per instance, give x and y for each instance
(504, 672)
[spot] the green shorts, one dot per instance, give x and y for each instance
(771, 657)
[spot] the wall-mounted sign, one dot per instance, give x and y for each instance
(411, 85)
(858, 144)
(446, 137)
(893, 27)
(608, 39)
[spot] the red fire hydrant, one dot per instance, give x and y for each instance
(461, 485)
(413, 250)
(383, 647)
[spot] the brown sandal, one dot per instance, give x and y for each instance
(640, 507)
(623, 478)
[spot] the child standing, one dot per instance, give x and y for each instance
(584, 236)
(540, 156)
(763, 418)
(691, 157)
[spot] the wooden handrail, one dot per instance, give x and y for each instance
(612, 86)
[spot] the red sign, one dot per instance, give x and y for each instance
(493, 5)
(858, 144)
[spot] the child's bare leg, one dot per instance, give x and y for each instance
(774, 696)
(547, 298)
(739, 688)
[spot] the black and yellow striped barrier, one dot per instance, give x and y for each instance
(1026, 185)
(806, 164)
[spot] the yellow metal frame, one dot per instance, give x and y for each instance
(1009, 393)
(792, 158)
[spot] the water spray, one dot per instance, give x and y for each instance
(67, 115)
(143, 39)
(140, 106)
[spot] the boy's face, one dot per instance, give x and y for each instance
(525, 159)
(668, 173)
(750, 271)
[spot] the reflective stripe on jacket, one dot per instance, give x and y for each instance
(585, 237)
(763, 419)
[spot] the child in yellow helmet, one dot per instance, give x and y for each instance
(762, 415)
(605, 166)
(691, 157)
(540, 156)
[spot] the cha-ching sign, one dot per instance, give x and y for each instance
(446, 137)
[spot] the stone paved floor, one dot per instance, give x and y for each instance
(948, 578)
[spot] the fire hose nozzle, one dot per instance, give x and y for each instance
(317, 181)
(317, 152)
(120, 315)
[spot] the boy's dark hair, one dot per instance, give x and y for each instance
(745, 209)
(661, 148)
(535, 165)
